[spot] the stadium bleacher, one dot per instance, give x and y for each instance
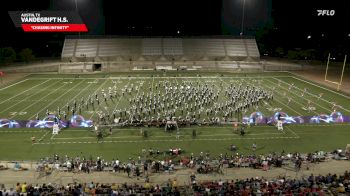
(86, 48)
(139, 53)
(169, 53)
(235, 48)
(191, 48)
(173, 47)
(152, 47)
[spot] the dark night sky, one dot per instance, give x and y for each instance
(293, 20)
(163, 17)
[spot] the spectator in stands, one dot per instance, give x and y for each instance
(174, 183)
(311, 185)
(128, 169)
(193, 178)
(18, 187)
(17, 166)
(137, 171)
(24, 188)
(341, 188)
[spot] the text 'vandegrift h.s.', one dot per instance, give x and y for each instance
(48, 21)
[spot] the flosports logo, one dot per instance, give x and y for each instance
(325, 12)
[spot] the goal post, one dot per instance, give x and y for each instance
(342, 72)
(325, 75)
(341, 76)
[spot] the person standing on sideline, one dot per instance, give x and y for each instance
(254, 147)
(33, 139)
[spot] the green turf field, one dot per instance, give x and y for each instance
(35, 94)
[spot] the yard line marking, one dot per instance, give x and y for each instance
(218, 90)
(296, 135)
(194, 77)
(316, 97)
(300, 96)
(24, 91)
(39, 100)
(228, 127)
(70, 78)
(283, 104)
(274, 99)
(41, 90)
(42, 137)
(227, 84)
(164, 136)
(165, 77)
(297, 78)
(233, 134)
(286, 104)
(15, 131)
(103, 83)
(322, 125)
(172, 140)
(137, 94)
(73, 138)
(80, 91)
(152, 84)
(13, 84)
(182, 106)
(121, 96)
(47, 106)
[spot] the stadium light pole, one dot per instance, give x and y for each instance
(76, 5)
(76, 9)
(242, 24)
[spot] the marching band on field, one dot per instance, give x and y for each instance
(186, 102)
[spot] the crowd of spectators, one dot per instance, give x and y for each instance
(330, 184)
(202, 163)
(311, 185)
(153, 161)
(92, 188)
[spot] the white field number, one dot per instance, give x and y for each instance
(17, 113)
(274, 109)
